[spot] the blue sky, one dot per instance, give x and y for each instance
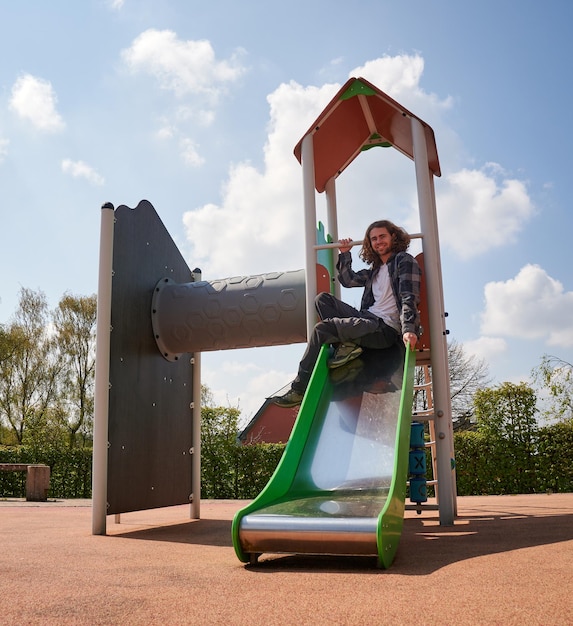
(197, 106)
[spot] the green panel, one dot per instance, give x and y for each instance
(278, 486)
(323, 466)
(357, 88)
(384, 144)
(391, 519)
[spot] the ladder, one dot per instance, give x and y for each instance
(424, 412)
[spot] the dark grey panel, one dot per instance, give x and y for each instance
(150, 417)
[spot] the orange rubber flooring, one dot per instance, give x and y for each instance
(506, 560)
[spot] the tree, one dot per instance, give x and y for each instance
(75, 324)
(506, 421)
(556, 375)
(467, 375)
(28, 379)
(507, 411)
(219, 431)
(8, 345)
(206, 396)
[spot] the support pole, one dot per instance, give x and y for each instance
(307, 157)
(196, 416)
(196, 460)
(332, 221)
(101, 392)
(438, 342)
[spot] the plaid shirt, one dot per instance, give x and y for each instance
(405, 275)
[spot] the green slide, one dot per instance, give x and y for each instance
(340, 486)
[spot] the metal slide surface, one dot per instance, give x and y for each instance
(340, 486)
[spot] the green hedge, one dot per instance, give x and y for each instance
(497, 466)
(70, 471)
(484, 466)
(243, 474)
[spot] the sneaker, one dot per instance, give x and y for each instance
(344, 353)
(346, 374)
(290, 399)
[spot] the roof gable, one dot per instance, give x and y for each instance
(358, 118)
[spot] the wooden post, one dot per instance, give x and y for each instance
(37, 483)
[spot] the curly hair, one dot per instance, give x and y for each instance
(400, 241)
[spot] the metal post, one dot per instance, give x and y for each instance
(439, 349)
(307, 157)
(101, 392)
(196, 459)
(332, 221)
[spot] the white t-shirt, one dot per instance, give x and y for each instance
(384, 302)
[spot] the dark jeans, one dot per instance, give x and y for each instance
(341, 323)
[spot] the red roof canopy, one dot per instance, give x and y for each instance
(359, 117)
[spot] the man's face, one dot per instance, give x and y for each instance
(381, 242)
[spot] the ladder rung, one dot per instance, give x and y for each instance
(423, 412)
(423, 385)
(423, 417)
(428, 482)
(422, 507)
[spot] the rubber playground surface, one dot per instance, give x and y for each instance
(506, 560)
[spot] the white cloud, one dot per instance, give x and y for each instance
(190, 154)
(116, 5)
(182, 66)
(530, 306)
(166, 131)
(201, 117)
(79, 169)
(189, 70)
(258, 226)
(393, 75)
(485, 348)
(478, 213)
(34, 100)
(400, 77)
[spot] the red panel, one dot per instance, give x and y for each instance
(424, 342)
(323, 281)
(338, 139)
